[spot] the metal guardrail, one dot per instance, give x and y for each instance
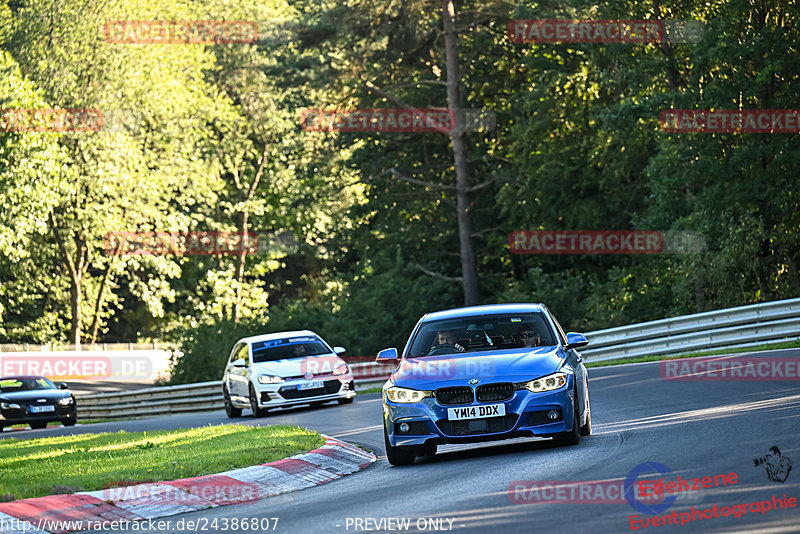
(728, 328)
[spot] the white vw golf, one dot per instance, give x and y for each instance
(283, 369)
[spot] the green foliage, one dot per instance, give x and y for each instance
(577, 147)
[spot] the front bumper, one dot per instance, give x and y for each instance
(288, 393)
(23, 416)
(526, 416)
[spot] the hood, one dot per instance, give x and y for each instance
(514, 365)
(31, 395)
(323, 364)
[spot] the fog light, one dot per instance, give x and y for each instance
(552, 414)
(404, 427)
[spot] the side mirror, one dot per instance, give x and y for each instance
(239, 363)
(63, 385)
(338, 350)
(576, 340)
(387, 356)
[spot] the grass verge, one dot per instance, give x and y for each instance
(718, 352)
(86, 462)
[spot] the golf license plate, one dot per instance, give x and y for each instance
(476, 412)
(316, 384)
(43, 409)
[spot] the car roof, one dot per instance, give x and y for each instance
(276, 335)
(485, 309)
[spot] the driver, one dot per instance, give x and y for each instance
(447, 337)
(527, 337)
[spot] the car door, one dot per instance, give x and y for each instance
(237, 376)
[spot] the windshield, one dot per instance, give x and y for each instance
(9, 385)
(282, 349)
(482, 332)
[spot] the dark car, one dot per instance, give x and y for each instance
(35, 401)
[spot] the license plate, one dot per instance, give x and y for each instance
(476, 412)
(43, 409)
(316, 384)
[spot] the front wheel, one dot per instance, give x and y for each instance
(69, 421)
(230, 410)
(257, 412)
(398, 455)
(586, 430)
(571, 437)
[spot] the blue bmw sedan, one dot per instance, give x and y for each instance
(484, 373)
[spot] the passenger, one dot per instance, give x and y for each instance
(527, 337)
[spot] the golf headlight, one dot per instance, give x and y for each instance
(340, 369)
(9, 406)
(407, 396)
(66, 401)
(269, 379)
(547, 383)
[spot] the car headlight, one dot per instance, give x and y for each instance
(269, 379)
(404, 395)
(340, 369)
(10, 406)
(66, 401)
(546, 383)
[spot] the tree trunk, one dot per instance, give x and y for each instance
(75, 269)
(469, 271)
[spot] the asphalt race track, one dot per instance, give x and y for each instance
(695, 428)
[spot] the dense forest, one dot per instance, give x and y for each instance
(360, 233)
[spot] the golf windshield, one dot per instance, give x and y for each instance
(481, 333)
(294, 347)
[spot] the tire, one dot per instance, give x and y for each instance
(69, 421)
(428, 450)
(347, 401)
(586, 430)
(230, 410)
(571, 437)
(399, 455)
(38, 425)
(257, 412)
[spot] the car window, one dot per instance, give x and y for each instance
(8, 385)
(559, 330)
(282, 349)
(235, 352)
(482, 332)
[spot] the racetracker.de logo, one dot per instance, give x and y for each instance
(604, 31)
(74, 367)
(726, 368)
(605, 242)
(179, 243)
(378, 120)
(730, 121)
(180, 32)
(219, 490)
